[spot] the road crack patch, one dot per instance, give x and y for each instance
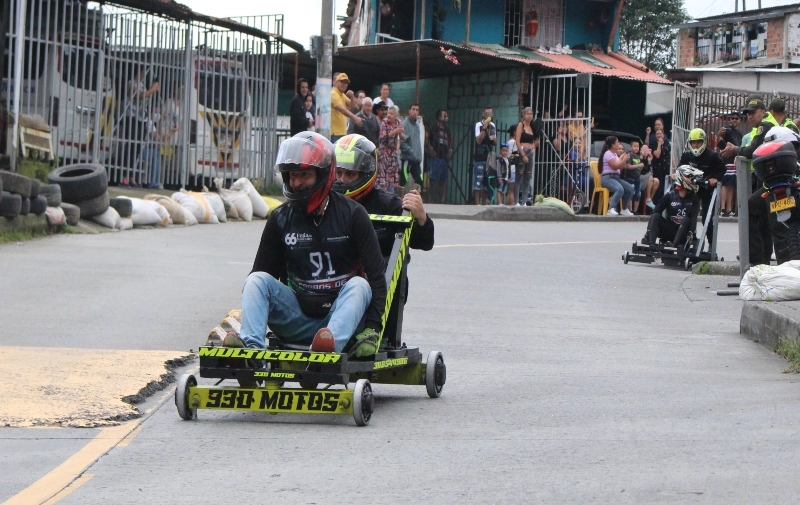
(80, 388)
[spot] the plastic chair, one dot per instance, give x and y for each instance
(598, 189)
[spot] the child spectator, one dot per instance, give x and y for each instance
(513, 162)
(633, 174)
(648, 184)
(503, 171)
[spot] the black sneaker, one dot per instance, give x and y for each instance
(645, 240)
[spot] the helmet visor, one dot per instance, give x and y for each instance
(304, 153)
(350, 157)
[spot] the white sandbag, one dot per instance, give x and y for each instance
(239, 200)
(147, 212)
(125, 223)
(188, 216)
(216, 203)
(174, 209)
(55, 215)
(197, 205)
(260, 207)
(771, 283)
(230, 209)
(110, 218)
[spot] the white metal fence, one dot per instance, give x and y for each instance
(156, 100)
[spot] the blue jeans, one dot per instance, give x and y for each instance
(267, 301)
(618, 189)
(636, 182)
(151, 158)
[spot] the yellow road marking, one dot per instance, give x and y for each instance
(75, 484)
(67, 476)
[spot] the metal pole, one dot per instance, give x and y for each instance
(189, 111)
(100, 99)
(416, 84)
(19, 53)
(742, 193)
(469, 15)
(422, 21)
(325, 70)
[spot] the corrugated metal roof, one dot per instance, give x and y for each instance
(578, 61)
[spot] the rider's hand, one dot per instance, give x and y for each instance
(712, 182)
(412, 202)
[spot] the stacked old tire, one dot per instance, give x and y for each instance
(84, 190)
(19, 195)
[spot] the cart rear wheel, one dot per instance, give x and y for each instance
(626, 256)
(185, 410)
(363, 402)
(687, 264)
(435, 374)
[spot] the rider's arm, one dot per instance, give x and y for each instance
(662, 204)
(371, 259)
(269, 257)
(716, 168)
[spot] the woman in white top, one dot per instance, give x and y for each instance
(384, 98)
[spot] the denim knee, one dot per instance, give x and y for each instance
(360, 287)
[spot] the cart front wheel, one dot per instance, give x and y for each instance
(363, 402)
(185, 410)
(435, 374)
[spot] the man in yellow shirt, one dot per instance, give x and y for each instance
(341, 101)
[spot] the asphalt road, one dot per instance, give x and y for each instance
(572, 378)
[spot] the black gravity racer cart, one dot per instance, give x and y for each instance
(290, 379)
(691, 252)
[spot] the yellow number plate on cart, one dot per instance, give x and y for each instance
(782, 204)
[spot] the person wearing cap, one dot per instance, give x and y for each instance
(380, 110)
(763, 226)
(341, 101)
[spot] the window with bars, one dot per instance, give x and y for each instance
(513, 23)
(549, 21)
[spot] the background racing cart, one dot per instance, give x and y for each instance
(283, 363)
(692, 251)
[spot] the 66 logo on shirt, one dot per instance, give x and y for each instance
(295, 238)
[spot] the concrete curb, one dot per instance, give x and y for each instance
(534, 213)
(730, 268)
(768, 322)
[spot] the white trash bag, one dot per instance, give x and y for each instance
(110, 218)
(771, 283)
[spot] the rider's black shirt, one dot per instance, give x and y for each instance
(315, 261)
(387, 204)
(680, 211)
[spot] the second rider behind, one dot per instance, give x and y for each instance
(356, 164)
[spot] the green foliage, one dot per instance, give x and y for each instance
(789, 348)
(7, 236)
(702, 268)
(647, 32)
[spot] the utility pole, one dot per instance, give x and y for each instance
(322, 49)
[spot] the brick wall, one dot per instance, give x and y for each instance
(686, 47)
(775, 38)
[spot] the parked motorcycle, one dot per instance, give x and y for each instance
(776, 165)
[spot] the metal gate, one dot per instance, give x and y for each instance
(709, 108)
(156, 100)
(563, 106)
